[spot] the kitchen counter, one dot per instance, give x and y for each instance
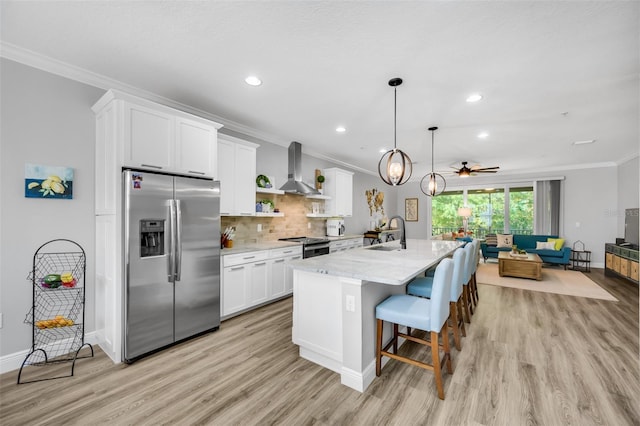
(267, 245)
(334, 300)
(375, 263)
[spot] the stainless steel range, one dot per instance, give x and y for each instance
(311, 247)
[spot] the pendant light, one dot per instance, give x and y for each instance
(395, 166)
(432, 184)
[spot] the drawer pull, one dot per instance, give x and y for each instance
(237, 268)
(248, 257)
(261, 263)
(151, 166)
(279, 261)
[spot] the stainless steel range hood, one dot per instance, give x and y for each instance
(295, 185)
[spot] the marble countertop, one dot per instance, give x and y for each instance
(267, 245)
(382, 263)
(345, 237)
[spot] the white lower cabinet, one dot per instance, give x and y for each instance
(258, 283)
(281, 277)
(234, 291)
(343, 245)
(254, 278)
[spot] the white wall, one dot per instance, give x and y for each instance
(46, 120)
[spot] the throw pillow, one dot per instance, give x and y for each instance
(548, 245)
(505, 240)
(558, 243)
(491, 239)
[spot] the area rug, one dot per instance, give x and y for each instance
(570, 283)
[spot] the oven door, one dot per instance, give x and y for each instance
(315, 250)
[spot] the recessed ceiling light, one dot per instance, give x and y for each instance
(383, 150)
(340, 129)
(588, 141)
(483, 135)
(252, 80)
(474, 97)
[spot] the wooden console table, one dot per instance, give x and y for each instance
(621, 261)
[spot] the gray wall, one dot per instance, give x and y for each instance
(46, 120)
(628, 190)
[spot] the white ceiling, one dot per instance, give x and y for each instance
(551, 73)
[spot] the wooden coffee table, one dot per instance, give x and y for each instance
(520, 267)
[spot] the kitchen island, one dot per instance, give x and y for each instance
(334, 300)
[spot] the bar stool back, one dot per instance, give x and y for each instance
(422, 287)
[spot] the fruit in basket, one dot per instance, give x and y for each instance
(58, 321)
(51, 278)
(51, 281)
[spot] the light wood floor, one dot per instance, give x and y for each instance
(528, 358)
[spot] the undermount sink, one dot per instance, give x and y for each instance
(385, 248)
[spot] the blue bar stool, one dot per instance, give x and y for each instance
(429, 315)
(422, 287)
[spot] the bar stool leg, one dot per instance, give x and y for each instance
(435, 360)
(453, 319)
(379, 348)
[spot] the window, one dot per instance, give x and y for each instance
(487, 210)
(493, 210)
(521, 210)
(444, 212)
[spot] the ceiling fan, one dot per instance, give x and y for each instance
(465, 171)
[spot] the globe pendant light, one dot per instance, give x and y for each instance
(432, 184)
(395, 166)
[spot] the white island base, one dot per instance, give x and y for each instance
(334, 320)
(334, 323)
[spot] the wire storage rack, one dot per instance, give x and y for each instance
(57, 312)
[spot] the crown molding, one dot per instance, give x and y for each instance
(626, 158)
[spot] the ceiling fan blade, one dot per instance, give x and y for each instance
(485, 171)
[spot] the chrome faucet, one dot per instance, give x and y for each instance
(403, 238)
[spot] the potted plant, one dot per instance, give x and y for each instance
(319, 180)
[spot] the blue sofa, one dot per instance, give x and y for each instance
(528, 243)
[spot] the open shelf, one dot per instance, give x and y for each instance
(260, 214)
(269, 191)
(325, 215)
(319, 197)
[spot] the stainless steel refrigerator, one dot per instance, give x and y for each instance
(171, 259)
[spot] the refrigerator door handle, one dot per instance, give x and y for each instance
(178, 250)
(172, 241)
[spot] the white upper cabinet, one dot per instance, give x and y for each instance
(157, 137)
(196, 148)
(237, 175)
(148, 137)
(338, 185)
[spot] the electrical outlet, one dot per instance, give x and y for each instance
(350, 303)
(308, 225)
(259, 228)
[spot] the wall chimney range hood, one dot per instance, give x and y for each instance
(295, 185)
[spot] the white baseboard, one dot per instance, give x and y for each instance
(14, 361)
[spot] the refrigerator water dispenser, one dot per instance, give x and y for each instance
(151, 237)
